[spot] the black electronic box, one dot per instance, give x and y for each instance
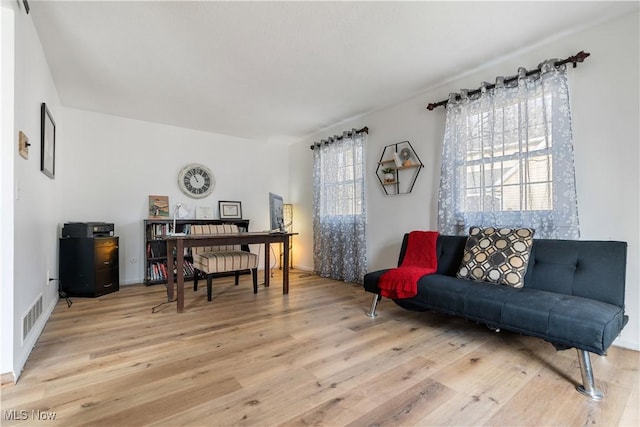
(87, 229)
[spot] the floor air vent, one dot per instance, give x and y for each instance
(31, 317)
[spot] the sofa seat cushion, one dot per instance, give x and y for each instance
(225, 261)
(560, 319)
(563, 319)
(372, 279)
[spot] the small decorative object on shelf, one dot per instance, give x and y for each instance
(398, 168)
(389, 175)
(405, 155)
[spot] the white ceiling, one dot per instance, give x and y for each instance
(280, 70)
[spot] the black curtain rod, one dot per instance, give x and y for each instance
(338, 138)
(575, 59)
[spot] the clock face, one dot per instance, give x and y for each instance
(196, 181)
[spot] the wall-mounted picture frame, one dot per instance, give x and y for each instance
(48, 142)
(230, 210)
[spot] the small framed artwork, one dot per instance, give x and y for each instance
(158, 207)
(204, 212)
(48, 143)
(230, 210)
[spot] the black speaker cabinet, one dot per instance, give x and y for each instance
(89, 266)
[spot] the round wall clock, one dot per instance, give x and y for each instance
(196, 181)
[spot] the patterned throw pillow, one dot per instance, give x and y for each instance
(497, 255)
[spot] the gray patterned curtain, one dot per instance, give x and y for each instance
(507, 157)
(339, 214)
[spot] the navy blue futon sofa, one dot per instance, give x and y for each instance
(573, 295)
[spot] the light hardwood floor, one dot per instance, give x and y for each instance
(309, 358)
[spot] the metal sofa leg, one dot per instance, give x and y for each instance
(374, 303)
(588, 385)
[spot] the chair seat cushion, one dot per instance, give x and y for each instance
(224, 261)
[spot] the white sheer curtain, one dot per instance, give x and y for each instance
(339, 214)
(508, 157)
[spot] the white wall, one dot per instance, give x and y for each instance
(34, 196)
(110, 165)
(604, 96)
(6, 184)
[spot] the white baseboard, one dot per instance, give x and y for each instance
(630, 345)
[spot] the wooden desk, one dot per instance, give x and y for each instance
(179, 243)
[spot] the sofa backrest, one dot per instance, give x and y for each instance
(589, 269)
(449, 250)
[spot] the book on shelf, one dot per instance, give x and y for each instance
(159, 230)
(163, 271)
(157, 271)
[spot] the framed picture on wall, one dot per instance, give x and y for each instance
(230, 210)
(47, 143)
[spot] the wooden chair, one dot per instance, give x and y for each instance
(221, 259)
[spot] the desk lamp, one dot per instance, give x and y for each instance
(176, 211)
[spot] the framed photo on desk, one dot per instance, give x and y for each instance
(230, 210)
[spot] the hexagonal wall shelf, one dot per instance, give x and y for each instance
(398, 168)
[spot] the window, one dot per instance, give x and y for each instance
(343, 181)
(508, 159)
(502, 172)
(339, 214)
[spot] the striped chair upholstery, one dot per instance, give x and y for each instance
(222, 259)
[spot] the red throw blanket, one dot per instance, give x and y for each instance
(419, 259)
